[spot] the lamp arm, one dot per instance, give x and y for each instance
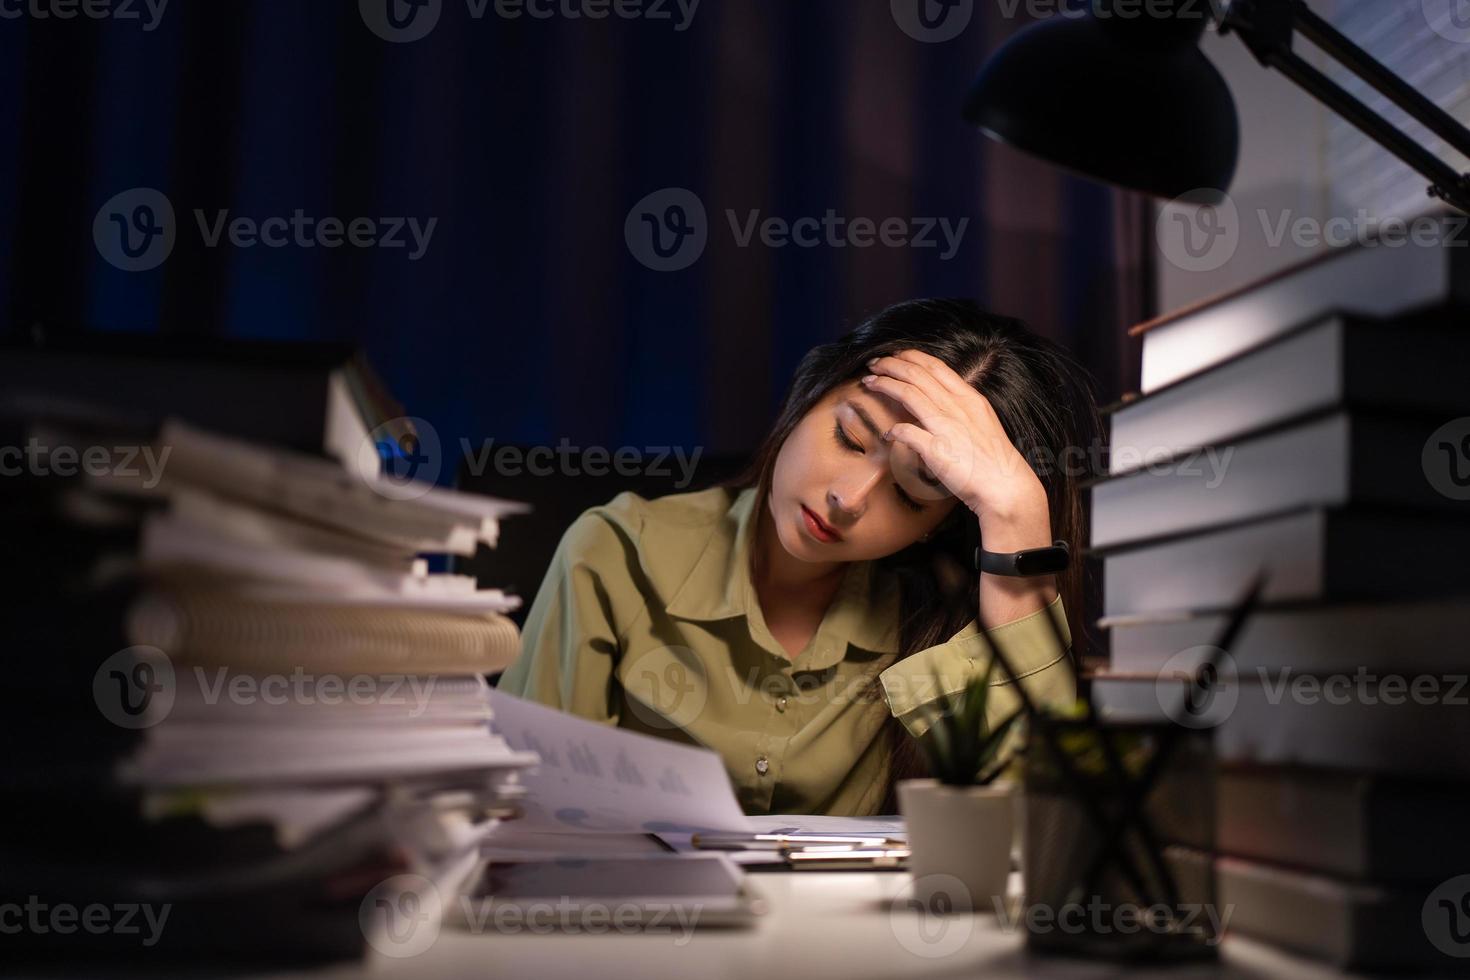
(1371, 70)
(1266, 28)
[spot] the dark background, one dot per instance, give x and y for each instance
(528, 319)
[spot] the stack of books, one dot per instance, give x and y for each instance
(318, 398)
(248, 699)
(1315, 428)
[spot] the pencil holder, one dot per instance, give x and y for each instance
(1118, 836)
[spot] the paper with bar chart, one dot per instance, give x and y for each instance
(594, 777)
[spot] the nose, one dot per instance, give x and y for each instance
(848, 495)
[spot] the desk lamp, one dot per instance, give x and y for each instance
(1121, 92)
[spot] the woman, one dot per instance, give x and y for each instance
(787, 618)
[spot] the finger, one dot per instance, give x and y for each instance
(967, 398)
(919, 377)
(944, 375)
(946, 454)
(916, 437)
(910, 396)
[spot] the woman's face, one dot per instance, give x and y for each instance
(876, 496)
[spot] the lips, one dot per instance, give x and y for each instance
(820, 529)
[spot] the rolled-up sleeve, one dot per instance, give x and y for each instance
(570, 642)
(917, 688)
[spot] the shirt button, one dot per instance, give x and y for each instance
(762, 764)
(781, 703)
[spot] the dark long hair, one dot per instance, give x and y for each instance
(1045, 402)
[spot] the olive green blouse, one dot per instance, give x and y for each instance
(647, 619)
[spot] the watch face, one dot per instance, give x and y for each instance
(1041, 561)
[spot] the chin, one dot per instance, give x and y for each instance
(791, 537)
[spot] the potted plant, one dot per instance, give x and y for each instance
(961, 819)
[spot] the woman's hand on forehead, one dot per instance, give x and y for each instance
(956, 434)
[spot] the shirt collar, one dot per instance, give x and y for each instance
(864, 612)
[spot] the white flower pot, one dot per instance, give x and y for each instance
(959, 842)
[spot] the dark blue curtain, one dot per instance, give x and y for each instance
(528, 141)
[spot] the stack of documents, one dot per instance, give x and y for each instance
(251, 699)
(312, 650)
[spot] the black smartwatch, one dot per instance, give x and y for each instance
(1033, 561)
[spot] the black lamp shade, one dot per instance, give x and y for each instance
(1134, 104)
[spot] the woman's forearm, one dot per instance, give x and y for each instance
(1005, 598)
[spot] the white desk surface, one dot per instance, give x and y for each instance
(850, 925)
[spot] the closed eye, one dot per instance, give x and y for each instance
(846, 442)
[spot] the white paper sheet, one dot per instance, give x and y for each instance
(890, 825)
(683, 844)
(597, 778)
(509, 840)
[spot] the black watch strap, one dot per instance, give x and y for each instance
(1033, 561)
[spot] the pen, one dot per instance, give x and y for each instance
(740, 842)
(836, 860)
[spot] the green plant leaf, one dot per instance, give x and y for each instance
(941, 744)
(959, 746)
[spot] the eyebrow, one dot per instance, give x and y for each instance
(872, 427)
(867, 419)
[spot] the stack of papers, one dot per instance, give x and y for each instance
(595, 778)
(311, 672)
